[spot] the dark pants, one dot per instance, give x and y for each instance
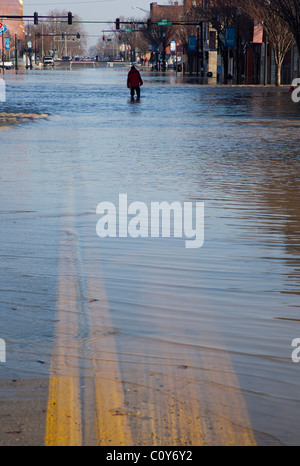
(137, 90)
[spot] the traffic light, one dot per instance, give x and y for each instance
(36, 18)
(117, 23)
(149, 23)
(78, 35)
(70, 18)
(103, 37)
(120, 37)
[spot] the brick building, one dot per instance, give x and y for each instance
(170, 12)
(14, 27)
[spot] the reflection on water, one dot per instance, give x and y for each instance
(172, 310)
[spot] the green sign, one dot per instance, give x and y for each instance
(128, 30)
(165, 22)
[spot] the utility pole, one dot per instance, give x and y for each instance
(202, 49)
(164, 52)
(266, 59)
(66, 45)
(3, 67)
(42, 40)
(197, 49)
(16, 51)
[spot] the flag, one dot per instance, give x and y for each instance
(258, 32)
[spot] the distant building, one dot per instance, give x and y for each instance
(15, 27)
(170, 12)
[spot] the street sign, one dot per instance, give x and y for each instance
(192, 44)
(164, 22)
(173, 46)
(230, 37)
(3, 29)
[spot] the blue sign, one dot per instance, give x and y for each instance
(3, 30)
(192, 44)
(7, 43)
(230, 37)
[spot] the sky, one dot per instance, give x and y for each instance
(91, 10)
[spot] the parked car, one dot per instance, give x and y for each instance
(8, 65)
(48, 61)
(66, 59)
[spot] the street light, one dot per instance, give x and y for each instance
(16, 50)
(138, 8)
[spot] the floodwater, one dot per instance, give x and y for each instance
(196, 339)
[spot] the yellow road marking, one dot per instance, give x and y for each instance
(63, 424)
(112, 426)
(187, 405)
(222, 395)
(181, 405)
(178, 404)
(83, 416)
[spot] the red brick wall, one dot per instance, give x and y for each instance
(170, 12)
(12, 7)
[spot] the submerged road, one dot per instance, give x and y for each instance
(92, 407)
(142, 341)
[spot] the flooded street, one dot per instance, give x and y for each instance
(142, 341)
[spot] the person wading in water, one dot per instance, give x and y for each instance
(134, 81)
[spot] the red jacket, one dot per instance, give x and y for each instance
(134, 78)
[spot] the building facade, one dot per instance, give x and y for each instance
(15, 28)
(170, 12)
(252, 63)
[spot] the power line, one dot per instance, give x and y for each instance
(62, 3)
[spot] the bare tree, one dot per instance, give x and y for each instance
(194, 15)
(289, 11)
(132, 35)
(222, 14)
(57, 34)
(160, 36)
(278, 31)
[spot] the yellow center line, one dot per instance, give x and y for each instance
(63, 423)
(188, 404)
(227, 409)
(170, 402)
(83, 403)
(111, 425)
(182, 405)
